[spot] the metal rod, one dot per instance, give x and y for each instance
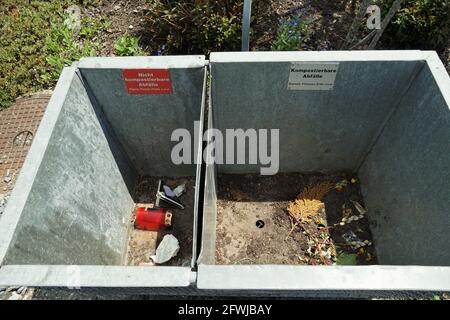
(246, 25)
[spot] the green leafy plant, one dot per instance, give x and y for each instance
(419, 24)
(33, 44)
(128, 45)
(292, 33)
(194, 26)
(65, 45)
(346, 259)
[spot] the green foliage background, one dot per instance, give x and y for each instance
(35, 44)
(419, 24)
(195, 26)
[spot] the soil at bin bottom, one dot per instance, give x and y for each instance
(142, 243)
(245, 199)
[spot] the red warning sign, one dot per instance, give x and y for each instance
(147, 81)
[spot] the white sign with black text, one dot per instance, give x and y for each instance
(312, 76)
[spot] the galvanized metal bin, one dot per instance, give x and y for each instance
(67, 220)
(386, 117)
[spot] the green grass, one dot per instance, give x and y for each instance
(35, 44)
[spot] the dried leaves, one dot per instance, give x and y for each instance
(309, 202)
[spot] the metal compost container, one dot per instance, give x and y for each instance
(384, 115)
(108, 122)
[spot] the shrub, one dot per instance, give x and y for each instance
(128, 45)
(419, 24)
(194, 26)
(292, 33)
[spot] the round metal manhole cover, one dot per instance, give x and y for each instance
(23, 139)
(18, 125)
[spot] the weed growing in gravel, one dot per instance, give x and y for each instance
(128, 45)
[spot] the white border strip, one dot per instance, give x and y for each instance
(199, 153)
(279, 277)
(439, 72)
(316, 56)
(19, 195)
(94, 276)
(157, 62)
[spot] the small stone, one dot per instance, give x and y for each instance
(342, 224)
(130, 27)
(167, 249)
(7, 179)
(21, 290)
(359, 207)
(15, 296)
(135, 11)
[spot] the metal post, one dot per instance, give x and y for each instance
(246, 25)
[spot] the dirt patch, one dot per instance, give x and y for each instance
(123, 16)
(329, 22)
(142, 244)
(245, 202)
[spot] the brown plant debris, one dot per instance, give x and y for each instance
(309, 202)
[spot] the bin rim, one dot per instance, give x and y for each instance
(84, 276)
(319, 56)
(143, 62)
(304, 277)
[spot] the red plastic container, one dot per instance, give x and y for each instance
(152, 219)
